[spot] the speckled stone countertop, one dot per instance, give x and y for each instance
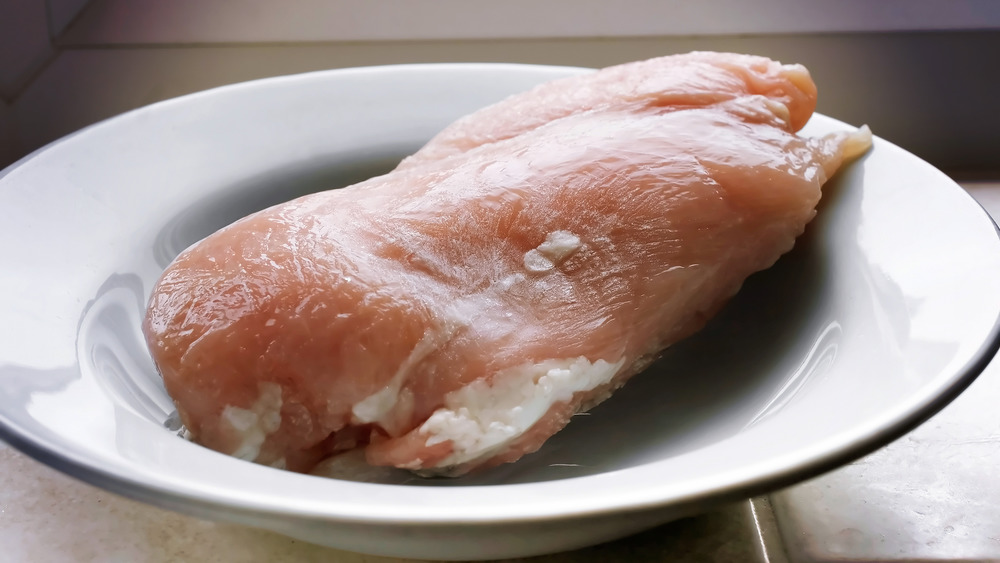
(929, 496)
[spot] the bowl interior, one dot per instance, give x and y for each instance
(885, 308)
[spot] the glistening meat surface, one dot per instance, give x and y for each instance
(457, 311)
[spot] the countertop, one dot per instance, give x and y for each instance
(929, 496)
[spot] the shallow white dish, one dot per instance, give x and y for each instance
(883, 313)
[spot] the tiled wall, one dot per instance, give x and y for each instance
(76, 62)
(24, 43)
(256, 21)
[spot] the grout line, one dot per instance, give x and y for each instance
(26, 81)
(772, 549)
(760, 533)
(85, 43)
(56, 39)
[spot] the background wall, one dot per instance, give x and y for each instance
(922, 73)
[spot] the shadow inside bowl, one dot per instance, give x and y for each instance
(226, 205)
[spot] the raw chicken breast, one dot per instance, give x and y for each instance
(455, 313)
(664, 84)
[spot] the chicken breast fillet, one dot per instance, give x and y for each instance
(455, 313)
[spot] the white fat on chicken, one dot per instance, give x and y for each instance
(378, 406)
(558, 246)
(482, 418)
(255, 424)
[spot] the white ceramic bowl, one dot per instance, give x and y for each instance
(883, 313)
